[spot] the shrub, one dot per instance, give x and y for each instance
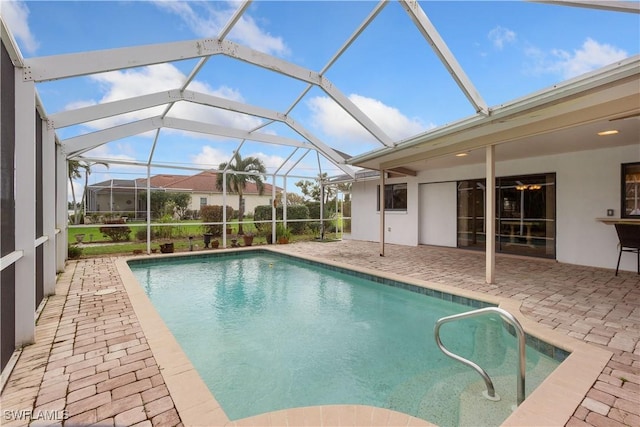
(117, 234)
(263, 213)
(74, 252)
(297, 212)
(213, 213)
(141, 234)
(165, 231)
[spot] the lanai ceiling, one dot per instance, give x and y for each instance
(285, 89)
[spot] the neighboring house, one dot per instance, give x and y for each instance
(124, 196)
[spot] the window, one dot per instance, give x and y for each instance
(203, 201)
(630, 190)
(395, 197)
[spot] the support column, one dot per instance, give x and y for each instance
(490, 215)
(224, 208)
(273, 209)
(48, 207)
(284, 201)
(62, 208)
(25, 226)
(382, 214)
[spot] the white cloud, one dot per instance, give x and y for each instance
(270, 161)
(207, 19)
(500, 36)
(591, 56)
(158, 78)
(16, 14)
(335, 122)
(210, 157)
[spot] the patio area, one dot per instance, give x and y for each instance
(92, 363)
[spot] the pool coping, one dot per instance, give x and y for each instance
(552, 403)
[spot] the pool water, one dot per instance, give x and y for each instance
(267, 333)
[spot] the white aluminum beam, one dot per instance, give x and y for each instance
(268, 62)
(114, 108)
(234, 19)
(49, 207)
(62, 216)
(227, 104)
(438, 45)
(610, 5)
(78, 144)
(321, 147)
(217, 130)
(356, 113)
(10, 44)
(25, 209)
(46, 68)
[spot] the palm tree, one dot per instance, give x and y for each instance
(237, 183)
(74, 173)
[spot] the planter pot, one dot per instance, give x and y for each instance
(283, 240)
(248, 240)
(166, 248)
(215, 244)
(207, 239)
(269, 238)
(79, 238)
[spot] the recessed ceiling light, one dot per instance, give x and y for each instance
(462, 154)
(608, 132)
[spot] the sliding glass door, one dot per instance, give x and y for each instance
(525, 214)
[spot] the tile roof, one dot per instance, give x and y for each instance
(203, 182)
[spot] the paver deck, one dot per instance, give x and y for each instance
(91, 363)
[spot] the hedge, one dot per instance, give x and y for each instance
(213, 213)
(263, 213)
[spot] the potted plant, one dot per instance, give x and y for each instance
(283, 234)
(215, 243)
(207, 239)
(166, 248)
(248, 238)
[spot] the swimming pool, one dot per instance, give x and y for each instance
(267, 332)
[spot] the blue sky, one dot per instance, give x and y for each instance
(508, 49)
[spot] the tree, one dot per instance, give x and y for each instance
(312, 189)
(74, 173)
(237, 183)
(167, 203)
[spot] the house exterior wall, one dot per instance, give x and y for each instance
(587, 184)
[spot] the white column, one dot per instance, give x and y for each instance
(273, 209)
(490, 214)
(62, 208)
(224, 208)
(382, 214)
(49, 207)
(25, 224)
(284, 201)
(148, 208)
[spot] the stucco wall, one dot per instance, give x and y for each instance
(587, 184)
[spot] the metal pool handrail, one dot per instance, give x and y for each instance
(507, 317)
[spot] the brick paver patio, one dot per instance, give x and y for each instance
(91, 363)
